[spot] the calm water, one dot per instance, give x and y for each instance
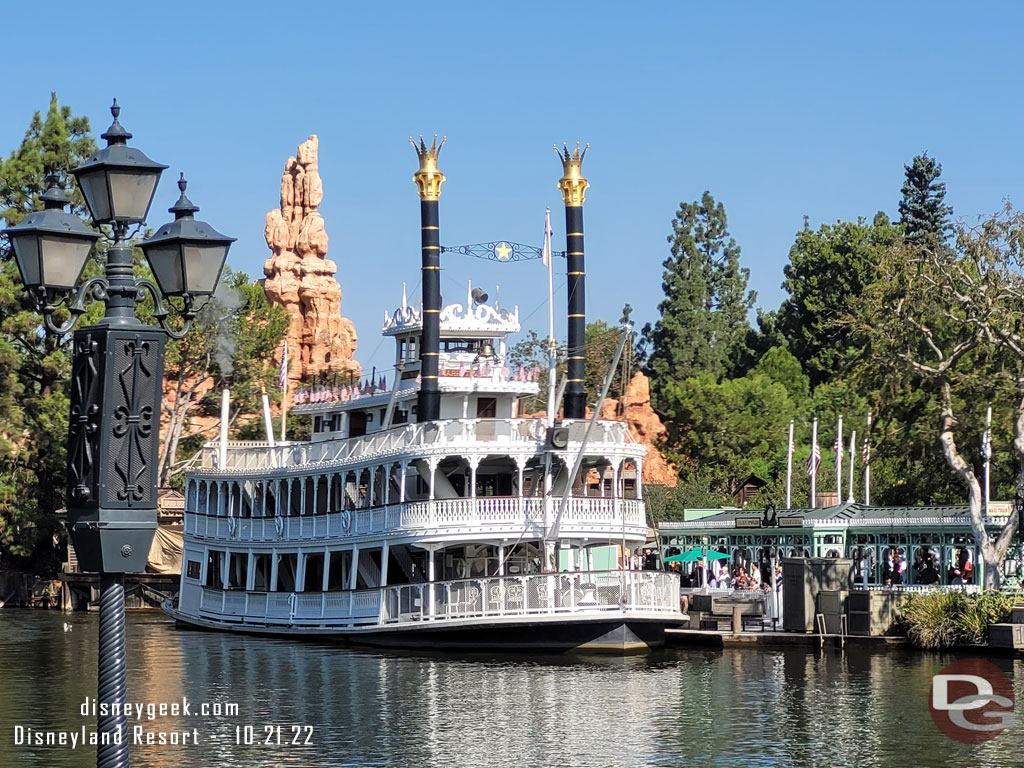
(725, 708)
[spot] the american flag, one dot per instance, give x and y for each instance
(282, 377)
(814, 460)
(838, 448)
(865, 454)
(986, 445)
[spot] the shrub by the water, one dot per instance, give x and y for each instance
(945, 619)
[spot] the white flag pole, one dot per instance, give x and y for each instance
(789, 467)
(814, 474)
(867, 465)
(839, 461)
(853, 453)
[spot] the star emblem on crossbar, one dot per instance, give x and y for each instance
(503, 252)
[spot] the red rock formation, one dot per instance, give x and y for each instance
(300, 277)
(646, 428)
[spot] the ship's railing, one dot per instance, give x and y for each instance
(531, 595)
(603, 514)
(253, 455)
(505, 596)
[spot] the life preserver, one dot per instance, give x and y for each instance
(346, 520)
(232, 527)
(279, 525)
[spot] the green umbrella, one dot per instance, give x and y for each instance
(712, 555)
(693, 555)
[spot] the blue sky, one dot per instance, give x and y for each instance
(779, 109)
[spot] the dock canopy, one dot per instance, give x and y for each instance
(695, 555)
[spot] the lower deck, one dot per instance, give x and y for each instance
(551, 610)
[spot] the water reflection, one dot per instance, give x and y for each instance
(730, 708)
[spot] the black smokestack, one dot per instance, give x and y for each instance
(574, 187)
(428, 181)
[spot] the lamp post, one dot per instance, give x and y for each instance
(117, 373)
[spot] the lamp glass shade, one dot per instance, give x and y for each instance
(131, 193)
(203, 265)
(118, 194)
(63, 259)
(26, 256)
(94, 189)
(49, 259)
(166, 263)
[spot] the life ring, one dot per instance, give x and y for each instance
(232, 527)
(279, 525)
(346, 520)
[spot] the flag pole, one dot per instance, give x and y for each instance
(283, 382)
(789, 467)
(867, 464)
(853, 449)
(813, 469)
(839, 461)
(552, 405)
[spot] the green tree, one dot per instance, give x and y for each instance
(34, 366)
(230, 343)
(827, 268)
(923, 212)
(947, 320)
(727, 429)
(703, 325)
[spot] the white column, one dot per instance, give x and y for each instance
(250, 572)
(384, 554)
(302, 495)
(430, 579)
(501, 559)
(300, 573)
(355, 567)
(639, 479)
(474, 462)
(273, 570)
(327, 568)
(401, 483)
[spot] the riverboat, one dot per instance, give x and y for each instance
(433, 513)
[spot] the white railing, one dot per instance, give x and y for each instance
(508, 596)
(970, 589)
(537, 594)
(252, 455)
(599, 515)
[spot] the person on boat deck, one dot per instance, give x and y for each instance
(958, 579)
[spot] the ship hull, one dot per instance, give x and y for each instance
(621, 634)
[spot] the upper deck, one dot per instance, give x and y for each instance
(516, 438)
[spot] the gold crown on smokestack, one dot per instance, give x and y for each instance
(573, 185)
(428, 178)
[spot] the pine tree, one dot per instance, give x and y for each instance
(923, 212)
(703, 325)
(34, 366)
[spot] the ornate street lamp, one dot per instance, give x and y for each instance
(117, 372)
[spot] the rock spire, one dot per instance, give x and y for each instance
(301, 278)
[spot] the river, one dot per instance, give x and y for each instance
(746, 708)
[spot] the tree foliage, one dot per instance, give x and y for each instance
(34, 366)
(703, 319)
(827, 268)
(923, 212)
(232, 339)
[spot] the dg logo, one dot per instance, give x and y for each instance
(971, 701)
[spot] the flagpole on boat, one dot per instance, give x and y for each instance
(812, 467)
(552, 404)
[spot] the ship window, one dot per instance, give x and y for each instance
(318, 424)
(314, 581)
(261, 572)
(400, 417)
(193, 569)
(357, 424)
(369, 418)
(213, 569)
(486, 407)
